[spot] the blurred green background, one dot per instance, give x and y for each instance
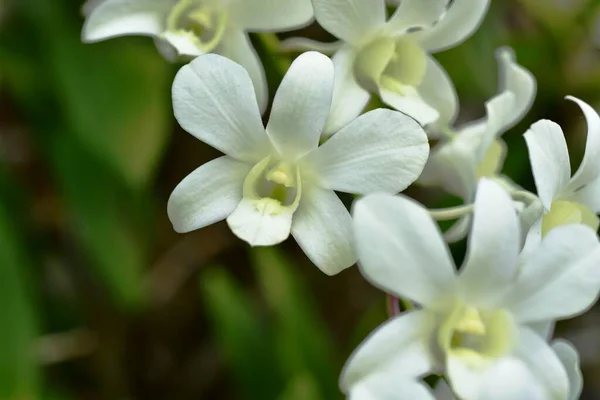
(100, 299)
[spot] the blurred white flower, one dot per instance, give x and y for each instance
(566, 199)
(392, 58)
(474, 326)
(195, 27)
(475, 150)
(278, 179)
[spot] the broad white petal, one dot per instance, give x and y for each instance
(438, 91)
(349, 98)
(464, 380)
(543, 363)
(350, 20)
(214, 100)
(569, 357)
(549, 159)
(258, 225)
(416, 14)
(543, 328)
(323, 228)
(271, 15)
(385, 386)
(510, 379)
(589, 169)
(499, 110)
(493, 247)
(381, 150)
(236, 46)
(560, 278)
(399, 348)
(207, 195)
(415, 107)
(589, 196)
(401, 250)
(306, 44)
(126, 17)
(460, 22)
(518, 81)
(301, 105)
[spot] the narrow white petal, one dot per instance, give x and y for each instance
(569, 357)
(560, 278)
(498, 109)
(349, 97)
(494, 244)
(589, 169)
(517, 80)
(207, 195)
(549, 159)
(543, 363)
(236, 46)
(438, 91)
(350, 20)
(258, 225)
(416, 14)
(272, 15)
(384, 386)
(183, 43)
(460, 22)
(306, 44)
(126, 17)
(510, 379)
(459, 230)
(443, 391)
(301, 105)
(323, 228)
(399, 348)
(415, 107)
(589, 195)
(214, 100)
(401, 250)
(381, 150)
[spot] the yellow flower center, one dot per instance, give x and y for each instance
(568, 212)
(489, 166)
(203, 23)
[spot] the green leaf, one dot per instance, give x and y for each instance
(302, 340)
(302, 387)
(19, 377)
(242, 336)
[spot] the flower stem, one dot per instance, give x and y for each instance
(393, 305)
(445, 214)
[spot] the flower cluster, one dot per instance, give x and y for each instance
(532, 259)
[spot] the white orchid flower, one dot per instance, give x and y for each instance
(475, 150)
(392, 58)
(470, 324)
(195, 27)
(566, 199)
(277, 179)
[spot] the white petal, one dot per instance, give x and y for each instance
(349, 98)
(400, 249)
(236, 46)
(306, 44)
(560, 278)
(465, 381)
(438, 91)
(459, 230)
(569, 357)
(543, 328)
(590, 195)
(517, 80)
(323, 228)
(416, 14)
(259, 225)
(385, 386)
(443, 391)
(272, 15)
(350, 20)
(183, 43)
(543, 363)
(549, 159)
(499, 110)
(461, 21)
(381, 150)
(494, 244)
(214, 100)
(510, 379)
(207, 195)
(590, 165)
(415, 107)
(126, 17)
(301, 105)
(399, 348)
